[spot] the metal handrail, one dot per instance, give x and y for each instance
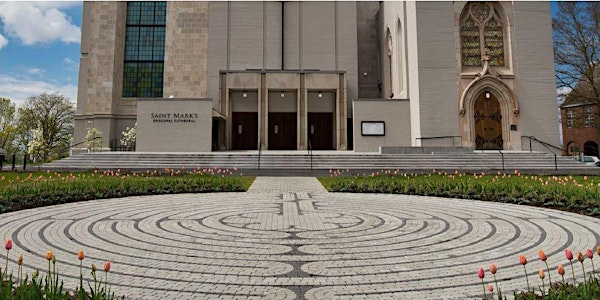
(533, 138)
(442, 137)
(310, 153)
(546, 145)
(72, 146)
(259, 151)
(502, 155)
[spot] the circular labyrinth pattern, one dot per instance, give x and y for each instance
(282, 245)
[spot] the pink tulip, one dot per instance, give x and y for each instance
(569, 254)
(8, 244)
(481, 273)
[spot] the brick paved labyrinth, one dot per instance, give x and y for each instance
(287, 238)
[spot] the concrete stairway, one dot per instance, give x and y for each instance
(323, 161)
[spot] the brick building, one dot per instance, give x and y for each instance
(580, 127)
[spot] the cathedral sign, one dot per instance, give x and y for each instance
(174, 125)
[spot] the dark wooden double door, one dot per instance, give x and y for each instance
(320, 131)
(282, 131)
(488, 124)
(245, 130)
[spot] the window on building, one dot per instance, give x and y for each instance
(589, 116)
(570, 118)
(481, 27)
(144, 49)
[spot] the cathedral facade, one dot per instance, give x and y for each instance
(362, 76)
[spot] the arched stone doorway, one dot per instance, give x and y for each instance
(500, 128)
(590, 148)
(488, 122)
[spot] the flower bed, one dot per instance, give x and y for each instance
(28, 190)
(579, 194)
(586, 289)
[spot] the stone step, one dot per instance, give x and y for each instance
(300, 160)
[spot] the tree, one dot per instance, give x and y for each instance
(8, 125)
(93, 138)
(50, 117)
(576, 33)
(129, 136)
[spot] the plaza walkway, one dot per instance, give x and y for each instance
(288, 238)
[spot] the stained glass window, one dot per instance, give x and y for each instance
(481, 27)
(144, 49)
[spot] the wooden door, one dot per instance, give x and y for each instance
(320, 131)
(282, 131)
(488, 124)
(244, 130)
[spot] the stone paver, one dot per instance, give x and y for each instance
(287, 238)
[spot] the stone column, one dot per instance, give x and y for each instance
(302, 115)
(263, 113)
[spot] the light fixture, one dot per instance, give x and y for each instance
(244, 94)
(282, 94)
(487, 95)
(320, 95)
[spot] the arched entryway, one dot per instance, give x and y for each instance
(488, 122)
(590, 148)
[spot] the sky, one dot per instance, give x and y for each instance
(39, 48)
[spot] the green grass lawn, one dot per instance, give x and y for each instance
(579, 194)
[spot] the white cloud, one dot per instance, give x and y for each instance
(36, 71)
(19, 89)
(565, 90)
(68, 61)
(3, 41)
(38, 22)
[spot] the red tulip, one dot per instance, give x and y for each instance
(569, 254)
(480, 273)
(580, 257)
(561, 270)
(490, 288)
(493, 269)
(589, 253)
(541, 273)
(523, 260)
(106, 266)
(8, 244)
(542, 255)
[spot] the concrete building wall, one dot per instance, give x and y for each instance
(99, 71)
(186, 44)
(534, 71)
(217, 49)
(413, 71)
(368, 49)
(396, 115)
(438, 89)
(246, 36)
